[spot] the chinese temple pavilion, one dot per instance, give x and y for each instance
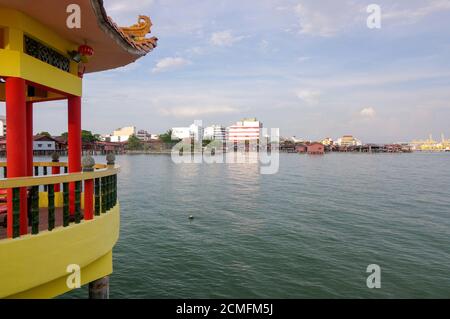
(58, 221)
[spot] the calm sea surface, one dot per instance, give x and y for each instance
(309, 231)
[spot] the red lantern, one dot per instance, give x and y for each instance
(86, 50)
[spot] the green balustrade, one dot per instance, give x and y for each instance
(51, 207)
(35, 210)
(66, 213)
(16, 212)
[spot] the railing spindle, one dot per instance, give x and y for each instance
(51, 207)
(35, 210)
(5, 172)
(97, 196)
(77, 202)
(108, 180)
(45, 174)
(36, 171)
(66, 213)
(88, 164)
(16, 212)
(113, 183)
(103, 191)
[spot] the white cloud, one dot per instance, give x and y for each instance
(326, 20)
(127, 12)
(331, 18)
(120, 5)
(303, 59)
(385, 77)
(414, 14)
(187, 111)
(224, 38)
(264, 45)
(195, 51)
(310, 96)
(170, 63)
(368, 112)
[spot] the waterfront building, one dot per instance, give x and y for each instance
(43, 144)
(122, 134)
(66, 222)
(194, 131)
(301, 148)
(316, 148)
(143, 135)
(431, 145)
(215, 132)
(297, 140)
(348, 141)
(287, 146)
(247, 130)
(2, 126)
(328, 141)
(102, 147)
(154, 137)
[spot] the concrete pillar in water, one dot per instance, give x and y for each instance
(99, 289)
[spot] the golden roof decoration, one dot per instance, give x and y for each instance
(138, 31)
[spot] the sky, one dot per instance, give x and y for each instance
(309, 67)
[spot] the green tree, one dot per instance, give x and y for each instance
(88, 137)
(45, 134)
(206, 142)
(166, 137)
(134, 144)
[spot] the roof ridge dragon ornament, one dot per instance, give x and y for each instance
(139, 30)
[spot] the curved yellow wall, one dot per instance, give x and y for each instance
(35, 266)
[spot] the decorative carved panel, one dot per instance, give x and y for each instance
(46, 54)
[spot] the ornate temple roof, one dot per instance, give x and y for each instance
(114, 46)
(134, 35)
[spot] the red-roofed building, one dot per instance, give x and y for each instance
(316, 148)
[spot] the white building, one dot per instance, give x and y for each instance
(348, 140)
(214, 132)
(2, 125)
(194, 131)
(122, 134)
(248, 129)
(154, 136)
(297, 139)
(44, 143)
(143, 135)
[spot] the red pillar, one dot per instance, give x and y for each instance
(74, 144)
(16, 146)
(29, 124)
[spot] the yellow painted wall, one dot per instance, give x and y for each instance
(98, 269)
(13, 62)
(35, 266)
